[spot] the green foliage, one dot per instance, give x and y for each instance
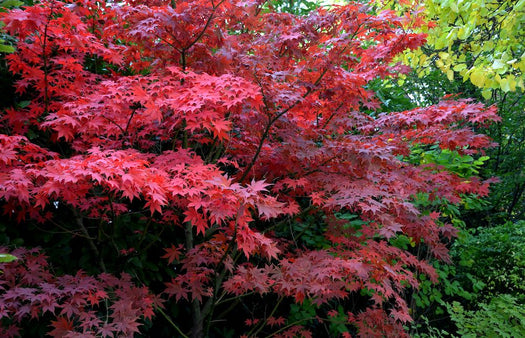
(430, 301)
(337, 322)
(483, 293)
(352, 222)
(497, 256)
(306, 314)
(6, 258)
(308, 233)
(490, 34)
(463, 165)
(424, 329)
(502, 316)
(302, 312)
(6, 46)
(508, 158)
(402, 242)
(477, 41)
(300, 7)
(411, 91)
(430, 295)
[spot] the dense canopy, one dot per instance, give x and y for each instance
(242, 145)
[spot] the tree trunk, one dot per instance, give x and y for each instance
(197, 331)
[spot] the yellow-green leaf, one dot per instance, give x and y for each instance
(454, 6)
(450, 75)
(478, 78)
(504, 84)
(460, 67)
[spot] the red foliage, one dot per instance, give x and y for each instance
(374, 323)
(103, 305)
(228, 120)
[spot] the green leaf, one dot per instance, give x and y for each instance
(6, 258)
(6, 49)
(11, 3)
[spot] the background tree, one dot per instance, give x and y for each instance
(481, 44)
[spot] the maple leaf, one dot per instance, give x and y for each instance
(251, 322)
(196, 219)
(107, 330)
(332, 313)
(269, 207)
(390, 230)
(401, 316)
(127, 326)
(279, 321)
(220, 129)
(95, 297)
(257, 186)
(172, 253)
(175, 288)
(69, 309)
(61, 327)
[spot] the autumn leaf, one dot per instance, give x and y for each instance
(172, 253)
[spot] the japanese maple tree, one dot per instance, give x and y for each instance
(221, 134)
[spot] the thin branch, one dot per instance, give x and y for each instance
(222, 301)
(289, 325)
(208, 308)
(277, 225)
(145, 232)
(332, 115)
(65, 231)
(196, 313)
(263, 324)
(199, 36)
(271, 121)
(158, 308)
(46, 70)
(80, 223)
(157, 236)
(115, 123)
(129, 122)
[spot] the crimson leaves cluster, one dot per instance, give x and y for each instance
(80, 302)
(229, 125)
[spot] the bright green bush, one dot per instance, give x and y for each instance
(495, 255)
(502, 316)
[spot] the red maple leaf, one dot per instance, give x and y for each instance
(172, 253)
(61, 327)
